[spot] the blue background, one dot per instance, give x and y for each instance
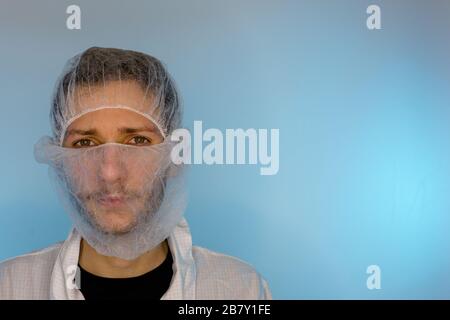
(363, 117)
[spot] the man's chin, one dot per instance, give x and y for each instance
(116, 230)
(116, 225)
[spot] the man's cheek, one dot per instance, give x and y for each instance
(84, 180)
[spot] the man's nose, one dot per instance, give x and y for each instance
(111, 165)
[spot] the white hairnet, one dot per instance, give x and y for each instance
(134, 211)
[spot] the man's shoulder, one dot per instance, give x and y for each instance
(32, 259)
(20, 275)
(228, 276)
(223, 263)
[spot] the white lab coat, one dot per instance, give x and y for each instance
(198, 273)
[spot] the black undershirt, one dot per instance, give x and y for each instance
(149, 286)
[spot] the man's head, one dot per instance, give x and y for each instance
(105, 96)
(111, 114)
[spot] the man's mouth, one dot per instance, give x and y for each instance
(112, 201)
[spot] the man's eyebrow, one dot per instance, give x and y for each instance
(134, 130)
(81, 132)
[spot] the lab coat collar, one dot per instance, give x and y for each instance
(182, 287)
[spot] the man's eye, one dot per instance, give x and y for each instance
(82, 143)
(140, 140)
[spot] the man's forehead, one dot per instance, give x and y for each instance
(114, 93)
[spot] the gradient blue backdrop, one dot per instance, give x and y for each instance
(363, 116)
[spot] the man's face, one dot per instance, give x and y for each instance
(116, 184)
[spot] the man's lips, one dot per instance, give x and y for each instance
(112, 200)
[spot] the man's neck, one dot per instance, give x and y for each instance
(112, 267)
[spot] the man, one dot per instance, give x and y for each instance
(112, 115)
